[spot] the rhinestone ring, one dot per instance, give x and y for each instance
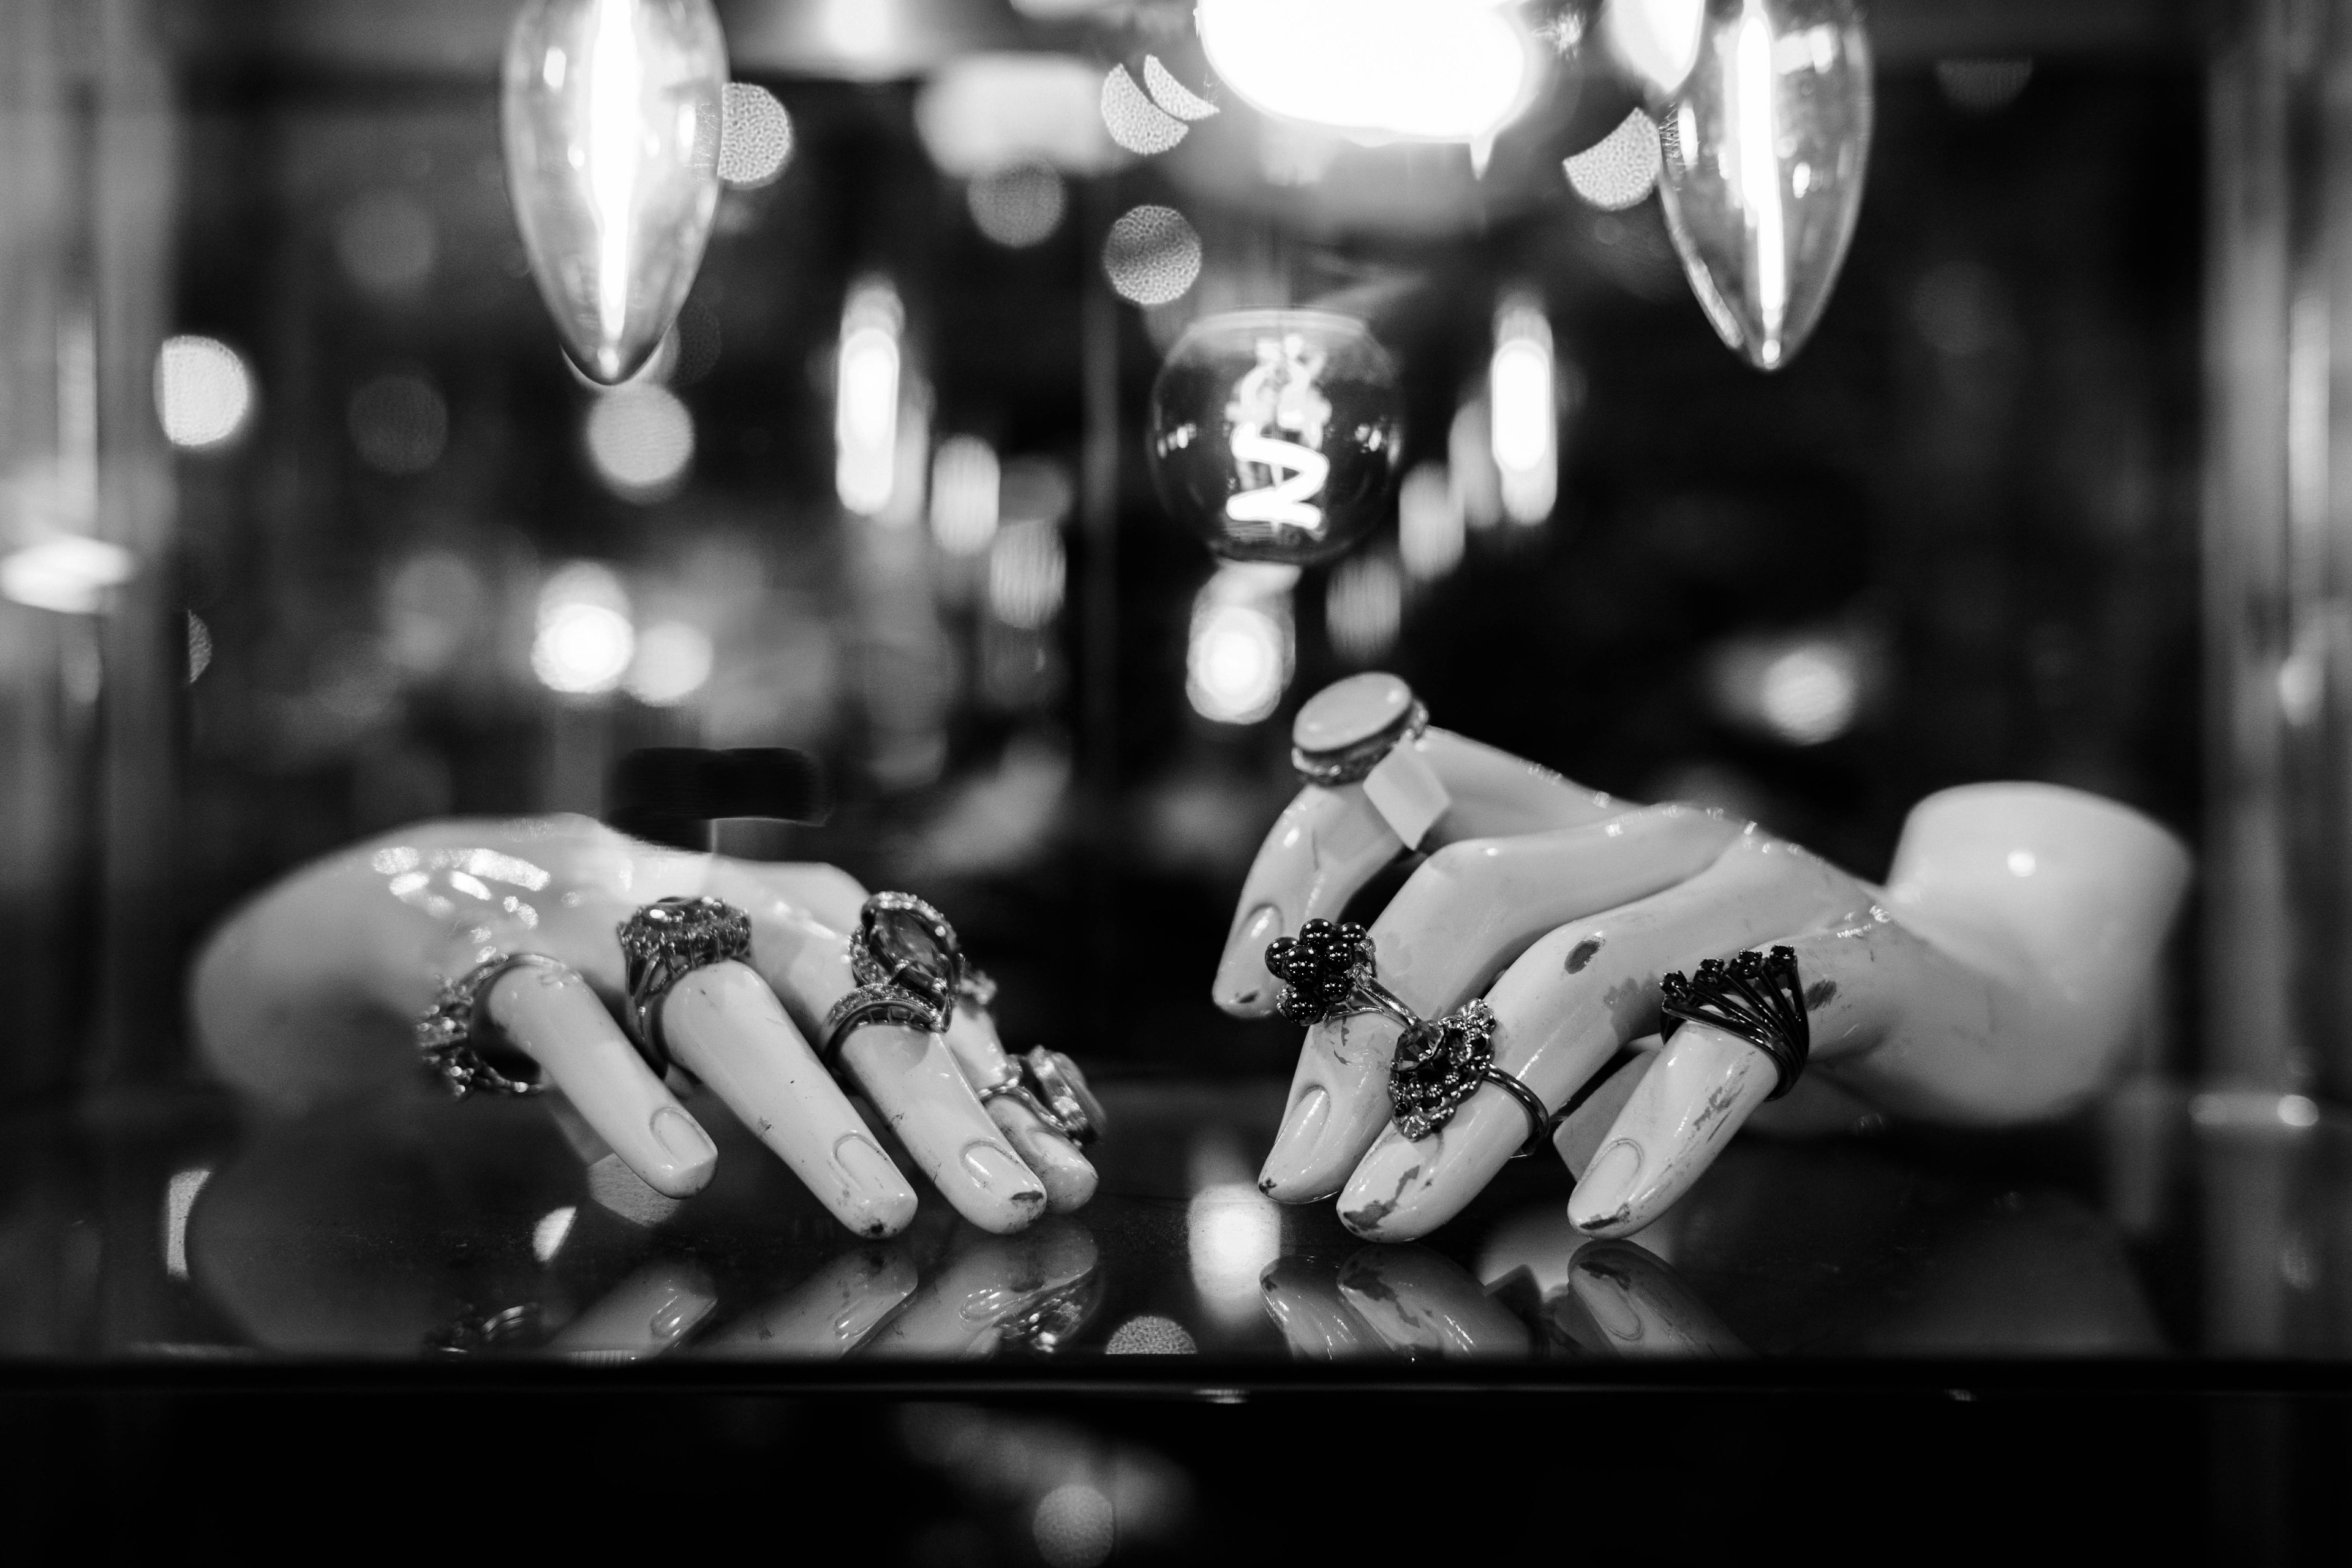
(663, 942)
(458, 1040)
(1052, 1087)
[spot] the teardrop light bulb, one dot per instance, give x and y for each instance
(612, 110)
(1272, 434)
(1765, 151)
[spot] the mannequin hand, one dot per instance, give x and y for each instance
(309, 992)
(1995, 979)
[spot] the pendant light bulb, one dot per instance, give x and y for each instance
(612, 112)
(1766, 148)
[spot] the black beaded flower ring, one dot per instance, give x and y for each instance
(1327, 972)
(1756, 997)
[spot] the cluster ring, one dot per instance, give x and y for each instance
(1055, 1091)
(661, 944)
(910, 970)
(458, 1040)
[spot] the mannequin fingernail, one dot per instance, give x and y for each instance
(1607, 1301)
(1241, 979)
(1304, 1123)
(998, 1172)
(863, 1164)
(680, 1137)
(1602, 1199)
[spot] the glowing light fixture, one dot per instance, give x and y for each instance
(202, 392)
(585, 642)
(1763, 174)
(865, 399)
(1428, 70)
(612, 116)
(1523, 404)
(71, 574)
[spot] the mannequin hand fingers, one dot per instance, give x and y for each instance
(1860, 981)
(1304, 1301)
(1069, 1178)
(1637, 1306)
(1470, 909)
(725, 1026)
(1328, 843)
(913, 1080)
(827, 893)
(960, 1311)
(553, 1017)
(651, 1312)
(1420, 1304)
(828, 1314)
(1567, 1006)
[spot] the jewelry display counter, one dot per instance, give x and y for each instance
(2185, 1243)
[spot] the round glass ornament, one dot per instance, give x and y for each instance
(1274, 434)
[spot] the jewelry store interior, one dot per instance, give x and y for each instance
(1094, 781)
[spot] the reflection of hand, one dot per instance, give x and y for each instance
(334, 1235)
(309, 992)
(1994, 979)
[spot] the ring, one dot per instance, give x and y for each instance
(1327, 973)
(1051, 1084)
(910, 970)
(663, 942)
(1354, 763)
(1442, 1063)
(905, 943)
(458, 1040)
(1756, 996)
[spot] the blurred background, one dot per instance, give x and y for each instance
(312, 529)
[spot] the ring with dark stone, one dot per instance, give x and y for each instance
(1440, 1063)
(1327, 972)
(1053, 1088)
(1756, 997)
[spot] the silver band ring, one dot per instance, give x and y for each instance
(1539, 1117)
(1055, 1091)
(663, 942)
(459, 1041)
(1354, 763)
(874, 1004)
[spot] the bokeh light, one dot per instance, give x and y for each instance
(1522, 405)
(996, 109)
(1428, 69)
(673, 661)
(584, 642)
(387, 242)
(1074, 1526)
(202, 392)
(70, 573)
(1363, 607)
(1982, 86)
(1149, 1333)
(1027, 573)
(1172, 95)
(1134, 121)
(1429, 524)
(399, 423)
(1019, 206)
(640, 441)
(1238, 659)
(1470, 464)
(1231, 1231)
(1619, 170)
(1152, 255)
(965, 494)
(865, 398)
(1656, 40)
(1810, 693)
(200, 647)
(757, 141)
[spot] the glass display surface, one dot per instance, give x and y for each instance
(162, 1229)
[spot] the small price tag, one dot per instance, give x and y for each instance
(1407, 793)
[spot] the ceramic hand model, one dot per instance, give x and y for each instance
(1996, 978)
(311, 992)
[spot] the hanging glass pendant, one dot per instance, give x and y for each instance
(1765, 150)
(612, 110)
(1272, 434)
